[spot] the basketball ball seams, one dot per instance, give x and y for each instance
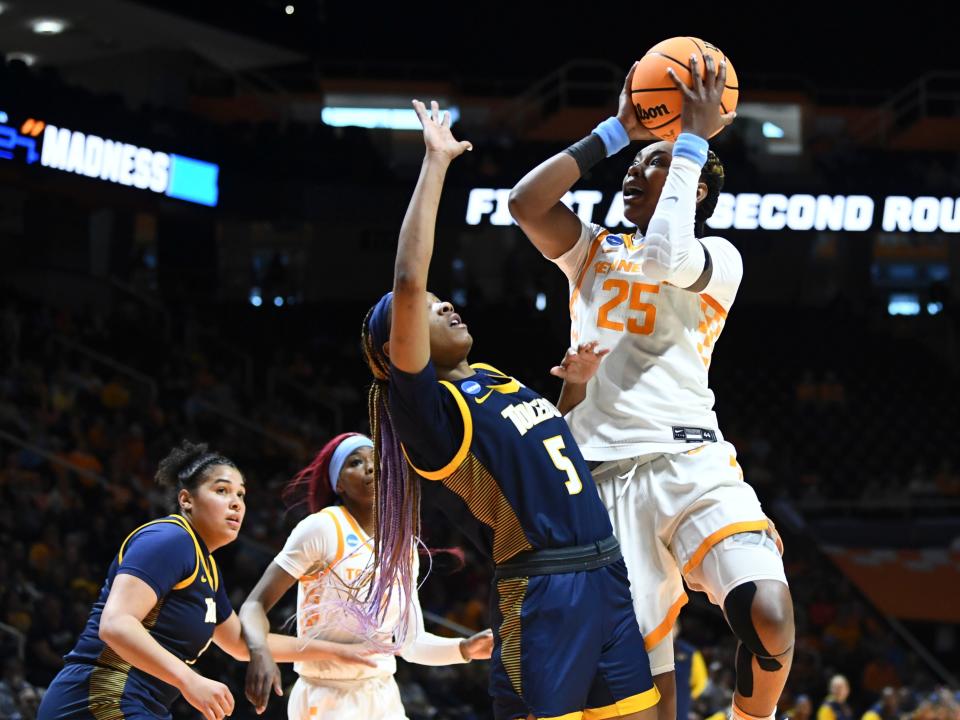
(662, 125)
(663, 89)
(659, 106)
(703, 52)
(699, 46)
(673, 59)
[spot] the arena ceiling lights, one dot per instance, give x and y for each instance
(376, 112)
(48, 26)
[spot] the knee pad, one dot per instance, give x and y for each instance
(738, 606)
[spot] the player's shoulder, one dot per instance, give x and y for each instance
(324, 520)
(716, 243)
(170, 539)
(166, 533)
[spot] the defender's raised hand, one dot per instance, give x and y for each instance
(437, 135)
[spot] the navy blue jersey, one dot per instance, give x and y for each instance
(504, 454)
(172, 559)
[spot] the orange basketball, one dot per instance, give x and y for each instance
(657, 99)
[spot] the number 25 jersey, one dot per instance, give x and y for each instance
(651, 393)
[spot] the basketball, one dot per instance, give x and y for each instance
(657, 99)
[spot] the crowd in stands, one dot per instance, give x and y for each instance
(62, 522)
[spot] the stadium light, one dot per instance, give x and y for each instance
(384, 118)
(903, 304)
(48, 26)
(27, 59)
(772, 131)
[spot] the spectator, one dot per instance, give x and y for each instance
(835, 706)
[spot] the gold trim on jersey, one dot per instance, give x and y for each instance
(215, 573)
(461, 455)
(479, 490)
(104, 693)
(511, 385)
(512, 592)
(627, 706)
(183, 523)
(108, 679)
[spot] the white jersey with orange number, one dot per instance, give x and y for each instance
(651, 392)
(331, 556)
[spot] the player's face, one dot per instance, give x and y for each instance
(356, 478)
(217, 506)
(450, 342)
(643, 182)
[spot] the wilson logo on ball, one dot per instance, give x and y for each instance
(653, 112)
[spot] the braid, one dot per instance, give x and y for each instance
(396, 504)
(713, 175)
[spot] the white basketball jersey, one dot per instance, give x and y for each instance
(651, 392)
(329, 553)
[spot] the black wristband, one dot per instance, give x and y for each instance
(587, 152)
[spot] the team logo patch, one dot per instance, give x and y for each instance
(471, 388)
(614, 240)
(352, 540)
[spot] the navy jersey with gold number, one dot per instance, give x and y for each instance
(170, 557)
(506, 453)
(500, 460)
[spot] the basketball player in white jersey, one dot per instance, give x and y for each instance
(657, 299)
(329, 554)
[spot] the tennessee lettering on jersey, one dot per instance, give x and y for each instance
(603, 267)
(526, 415)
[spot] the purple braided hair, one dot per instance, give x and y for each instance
(396, 505)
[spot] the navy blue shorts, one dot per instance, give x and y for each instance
(567, 644)
(88, 692)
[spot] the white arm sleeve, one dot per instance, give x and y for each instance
(572, 261)
(427, 648)
(727, 270)
(671, 253)
(309, 546)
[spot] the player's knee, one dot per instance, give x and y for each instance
(761, 616)
(772, 614)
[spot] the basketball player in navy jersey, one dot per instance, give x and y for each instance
(162, 604)
(502, 462)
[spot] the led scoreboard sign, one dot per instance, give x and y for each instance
(755, 211)
(92, 156)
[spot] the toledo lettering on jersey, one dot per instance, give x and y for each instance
(526, 415)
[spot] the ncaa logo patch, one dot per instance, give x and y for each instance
(471, 388)
(352, 540)
(614, 239)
